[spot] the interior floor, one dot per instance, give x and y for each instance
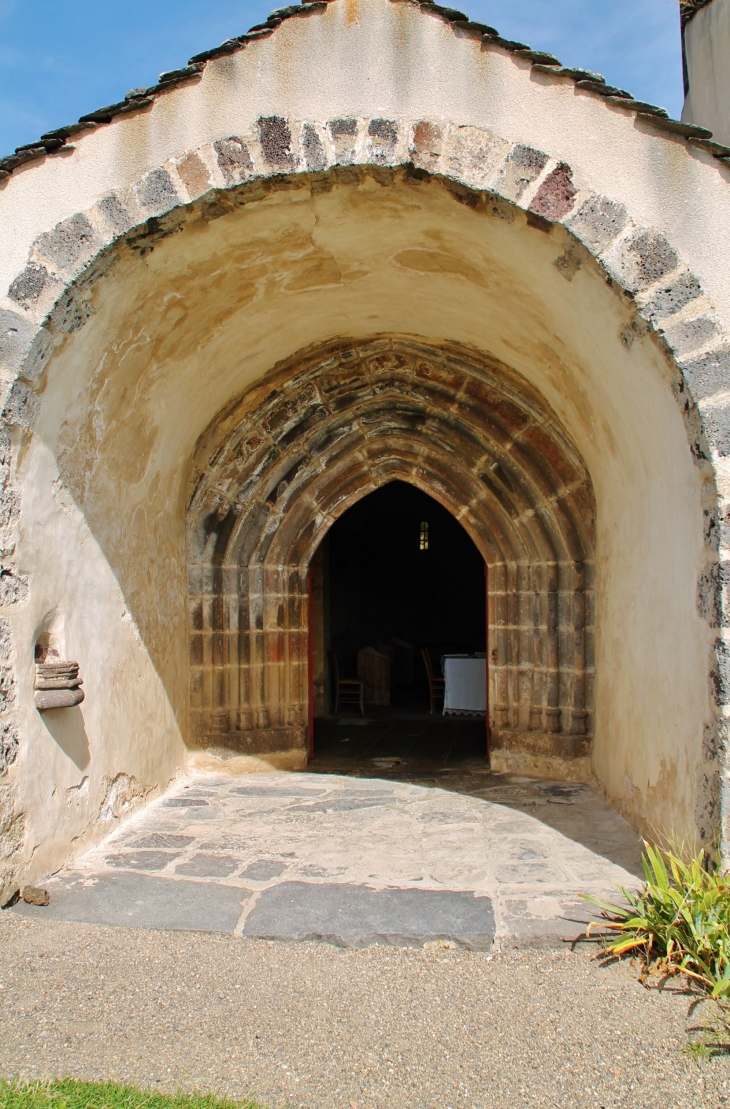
(400, 742)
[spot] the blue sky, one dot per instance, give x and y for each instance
(61, 60)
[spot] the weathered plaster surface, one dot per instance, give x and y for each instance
(127, 398)
(707, 48)
(377, 58)
(191, 308)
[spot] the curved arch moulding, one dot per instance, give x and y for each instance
(328, 428)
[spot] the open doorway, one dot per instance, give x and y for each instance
(397, 576)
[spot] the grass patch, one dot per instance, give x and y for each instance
(678, 924)
(66, 1093)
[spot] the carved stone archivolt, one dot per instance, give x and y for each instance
(281, 464)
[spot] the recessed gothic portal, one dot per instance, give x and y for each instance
(281, 464)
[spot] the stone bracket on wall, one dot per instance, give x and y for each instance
(58, 685)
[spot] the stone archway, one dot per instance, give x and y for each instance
(282, 463)
(134, 323)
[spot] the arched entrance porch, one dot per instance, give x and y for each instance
(281, 464)
(179, 317)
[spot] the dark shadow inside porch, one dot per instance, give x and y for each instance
(396, 577)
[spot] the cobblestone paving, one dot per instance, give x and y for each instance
(356, 860)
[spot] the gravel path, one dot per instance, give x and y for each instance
(315, 1026)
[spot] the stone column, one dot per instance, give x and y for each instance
(219, 723)
(579, 715)
(297, 648)
(525, 647)
(317, 631)
(257, 648)
(539, 651)
(552, 710)
(499, 646)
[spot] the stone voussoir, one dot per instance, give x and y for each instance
(688, 335)
(70, 244)
(639, 258)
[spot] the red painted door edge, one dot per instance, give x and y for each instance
(486, 641)
(310, 663)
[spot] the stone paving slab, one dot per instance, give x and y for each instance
(356, 916)
(354, 860)
(142, 901)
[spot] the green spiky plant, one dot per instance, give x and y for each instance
(679, 922)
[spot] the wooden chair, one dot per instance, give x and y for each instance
(348, 691)
(436, 686)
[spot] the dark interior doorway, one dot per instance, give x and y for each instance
(397, 573)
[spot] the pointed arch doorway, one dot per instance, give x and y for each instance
(282, 464)
(396, 584)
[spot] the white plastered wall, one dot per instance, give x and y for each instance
(707, 54)
(380, 58)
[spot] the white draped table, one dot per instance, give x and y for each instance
(466, 684)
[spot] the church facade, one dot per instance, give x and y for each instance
(368, 241)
